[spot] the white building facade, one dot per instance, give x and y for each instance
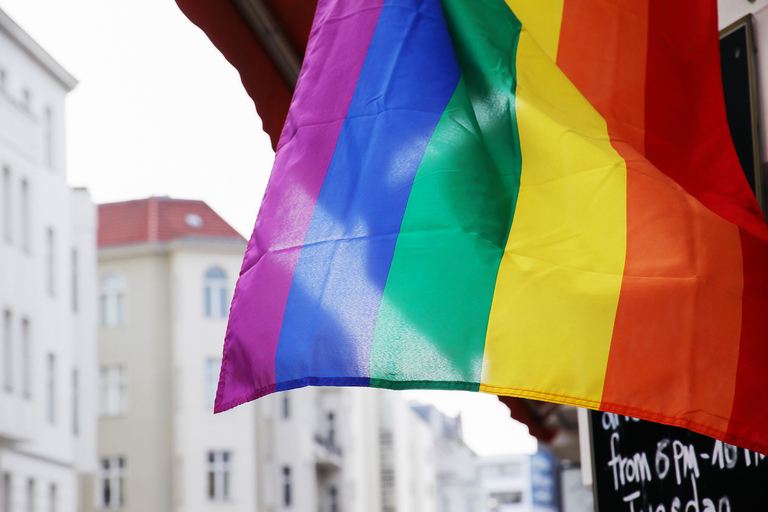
(318, 451)
(47, 290)
(339, 449)
(455, 463)
(166, 272)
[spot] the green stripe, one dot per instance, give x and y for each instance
(437, 299)
(423, 384)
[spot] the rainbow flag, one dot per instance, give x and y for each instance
(532, 198)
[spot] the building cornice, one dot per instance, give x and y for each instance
(231, 246)
(36, 52)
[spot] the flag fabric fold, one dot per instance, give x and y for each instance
(534, 199)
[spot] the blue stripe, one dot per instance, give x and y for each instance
(408, 77)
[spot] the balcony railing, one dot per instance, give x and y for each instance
(328, 443)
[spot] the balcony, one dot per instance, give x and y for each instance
(16, 419)
(327, 453)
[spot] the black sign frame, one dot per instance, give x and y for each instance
(739, 75)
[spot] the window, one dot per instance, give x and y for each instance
(26, 99)
(26, 359)
(31, 495)
(212, 366)
(219, 468)
(112, 482)
(25, 229)
(215, 293)
(193, 220)
(286, 486)
(53, 498)
(5, 498)
(507, 498)
(48, 141)
(387, 478)
(75, 402)
(112, 300)
(286, 405)
(113, 390)
(50, 261)
(7, 206)
(3, 78)
(75, 280)
(331, 429)
(333, 500)
(7, 351)
(51, 389)
(513, 469)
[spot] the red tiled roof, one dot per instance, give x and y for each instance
(160, 219)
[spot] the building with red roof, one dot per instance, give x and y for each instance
(166, 271)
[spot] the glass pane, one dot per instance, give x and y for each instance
(107, 493)
(119, 313)
(211, 484)
(215, 273)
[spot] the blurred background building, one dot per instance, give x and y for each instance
(166, 271)
(47, 290)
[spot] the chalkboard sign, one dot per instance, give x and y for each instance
(646, 467)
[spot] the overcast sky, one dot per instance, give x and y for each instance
(159, 111)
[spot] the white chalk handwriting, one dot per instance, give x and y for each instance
(677, 463)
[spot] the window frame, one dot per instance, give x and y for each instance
(112, 474)
(112, 303)
(50, 261)
(287, 487)
(50, 397)
(113, 390)
(212, 367)
(8, 205)
(219, 470)
(25, 213)
(215, 293)
(8, 351)
(26, 358)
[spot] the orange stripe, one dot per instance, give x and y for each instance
(675, 328)
(603, 50)
(679, 317)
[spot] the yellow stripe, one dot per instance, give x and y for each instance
(542, 19)
(558, 285)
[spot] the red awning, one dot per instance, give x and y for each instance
(265, 41)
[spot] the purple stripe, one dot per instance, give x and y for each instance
(334, 58)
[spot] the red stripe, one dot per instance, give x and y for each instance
(686, 125)
(749, 418)
(224, 26)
